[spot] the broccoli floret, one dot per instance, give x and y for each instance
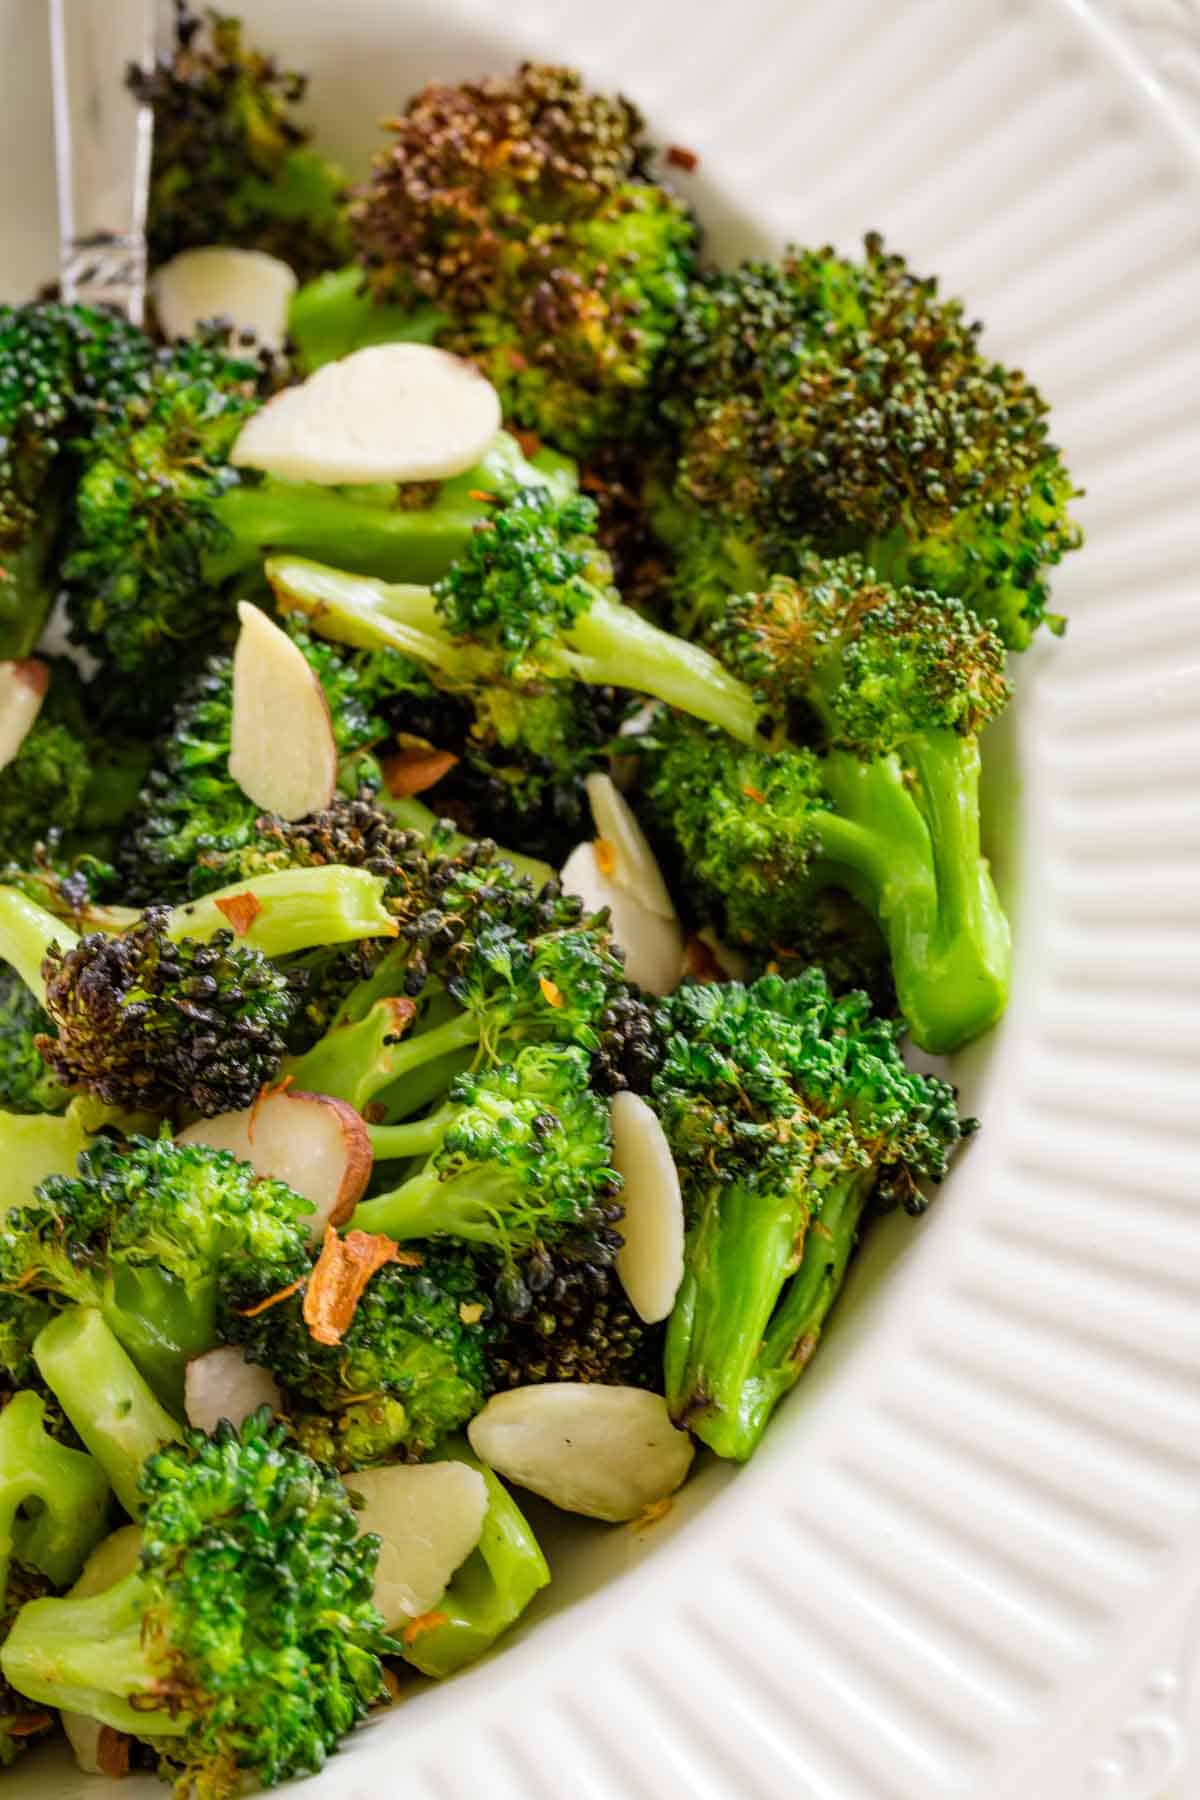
(232, 163)
(53, 1499)
(246, 1644)
(560, 1314)
(147, 1230)
(408, 1369)
(520, 1153)
(520, 208)
(848, 406)
(61, 369)
(46, 782)
(163, 524)
(490, 1591)
(891, 687)
(786, 1111)
(524, 615)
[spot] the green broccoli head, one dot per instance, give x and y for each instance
(232, 163)
(27, 1083)
(877, 665)
(519, 206)
(408, 1369)
(245, 1645)
(63, 369)
(43, 786)
(147, 1022)
(147, 1230)
(848, 405)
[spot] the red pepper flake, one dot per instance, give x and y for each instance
(26, 1724)
(701, 962)
(752, 793)
(529, 441)
(260, 1306)
(413, 771)
(420, 1625)
(606, 856)
(517, 361)
(391, 1682)
(552, 994)
(679, 158)
(653, 1512)
(339, 1278)
(241, 910)
(482, 494)
(112, 1753)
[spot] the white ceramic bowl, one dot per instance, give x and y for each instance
(966, 1561)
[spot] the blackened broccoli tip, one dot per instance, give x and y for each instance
(786, 1110)
(560, 1314)
(408, 1369)
(147, 1228)
(246, 1644)
(142, 1020)
(521, 208)
(847, 404)
(232, 161)
(520, 1153)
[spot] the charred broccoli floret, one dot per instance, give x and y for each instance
(61, 369)
(786, 1111)
(232, 163)
(520, 208)
(408, 1369)
(560, 1314)
(520, 1153)
(147, 1231)
(246, 1644)
(848, 406)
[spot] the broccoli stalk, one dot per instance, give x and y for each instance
(334, 314)
(106, 1400)
(53, 1500)
(527, 604)
(490, 1591)
(251, 1570)
(36, 1145)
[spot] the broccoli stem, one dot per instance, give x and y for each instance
(53, 1500)
(471, 1206)
(106, 1400)
(490, 1590)
(334, 314)
(420, 1137)
(607, 644)
(162, 1322)
(741, 1251)
(795, 1329)
(411, 814)
(35, 1145)
(88, 1655)
(371, 530)
(27, 931)
(356, 1061)
(300, 909)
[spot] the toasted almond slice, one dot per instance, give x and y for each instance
(634, 866)
(653, 945)
(249, 288)
(221, 1384)
(282, 752)
(650, 1261)
(22, 689)
(318, 1145)
(429, 1517)
(607, 1452)
(393, 412)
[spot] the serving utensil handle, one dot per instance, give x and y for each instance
(102, 150)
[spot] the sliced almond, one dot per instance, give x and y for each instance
(249, 288)
(221, 1384)
(22, 689)
(650, 1261)
(393, 412)
(634, 866)
(318, 1145)
(653, 945)
(606, 1452)
(429, 1517)
(282, 753)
